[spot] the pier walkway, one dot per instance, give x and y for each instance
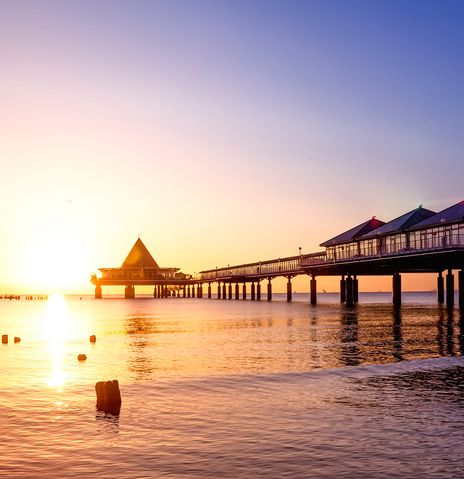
(420, 241)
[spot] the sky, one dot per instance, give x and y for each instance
(221, 132)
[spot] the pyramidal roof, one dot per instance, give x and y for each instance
(139, 257)
(402, 222)
(448, 215)
(355, 232)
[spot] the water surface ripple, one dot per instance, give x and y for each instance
(233, 389)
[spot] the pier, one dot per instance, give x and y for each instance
(419, 241)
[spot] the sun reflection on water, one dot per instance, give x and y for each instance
(57, 326)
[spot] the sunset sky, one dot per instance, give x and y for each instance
(222, 132)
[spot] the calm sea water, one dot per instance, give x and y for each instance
(233, 389)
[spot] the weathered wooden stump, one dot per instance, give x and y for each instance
(4, 338)
(93, 338)
(81, 357)
(108, 397)
(17, 340)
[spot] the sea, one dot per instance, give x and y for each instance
(233, 389)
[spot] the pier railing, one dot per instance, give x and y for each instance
(261, 269)
(399, 247)
(293, 265)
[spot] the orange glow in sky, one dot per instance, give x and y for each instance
(219, 135)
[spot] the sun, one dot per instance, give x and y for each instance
(55, 263)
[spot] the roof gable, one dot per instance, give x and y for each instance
(355, 232)
(448, 215)
(402, 222)
(139, 257)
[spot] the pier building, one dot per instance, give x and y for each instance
(140, 268)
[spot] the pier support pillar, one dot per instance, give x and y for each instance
(188, 291)
(440, 288)
(396, 289)
(244, 291)
(200, 290)
(349, 291)
(258, 291)
(183, 291)
(355, 290)
(289, 289)
(237, 291)
(313, 289)
(230, 290)
(129, 292)
(252, 291)
(450, 289)
(342, 290)
(269, 289)
(224, 291)
(461, 288)
(209, 290)
(98, 292)
(219, 290)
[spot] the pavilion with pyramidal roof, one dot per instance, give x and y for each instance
(140, 268)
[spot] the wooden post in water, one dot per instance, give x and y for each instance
(355, 289)
(108, 397)
(440, 288)
(313, 288)
(289, 288)
(349, 290)
(342, 290)
(396, 290)
(98, 292)
(461, 288)
(450, 289)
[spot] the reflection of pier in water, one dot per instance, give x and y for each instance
(362, 340)
(140, 331)
(328, 337)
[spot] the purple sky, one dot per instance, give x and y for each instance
(221, 132)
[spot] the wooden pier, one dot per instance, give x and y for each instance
(420, 241)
